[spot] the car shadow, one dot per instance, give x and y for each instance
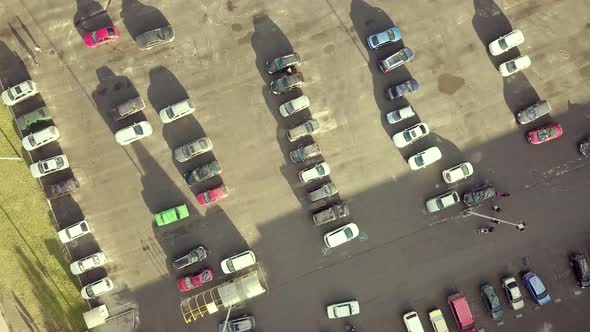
(519, 93)
(90, 16)
(490, 23)
(139, 18)
(164, 89)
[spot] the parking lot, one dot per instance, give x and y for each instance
(405, 258)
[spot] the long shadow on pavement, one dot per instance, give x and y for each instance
(139, 18)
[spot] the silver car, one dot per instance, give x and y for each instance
(307, 128)
(305, 152)
(193, 149)
(242, 324)
(322, 192)
(533, 112)
(18, 93)
(156, 37)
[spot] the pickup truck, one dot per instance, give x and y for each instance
(129, 107)
(332, 213)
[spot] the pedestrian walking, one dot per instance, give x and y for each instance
(501, 194)
(496, 208)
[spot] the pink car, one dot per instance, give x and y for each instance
(545, 134)
(212, 195)
(196, 280)
(101, 36)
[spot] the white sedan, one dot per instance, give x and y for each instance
(88, 263)
(514, 66)
(344, 309)
(40, 138)
(18, 93)
(133, 133)
(457, 173)
(341, 235)
(177, 111)
(97, 288)
(443, 201)
(48, 166)
(506, 42)
(410, 135)
(424, 158)
(400, 114)
(316, 172)
(73, 232)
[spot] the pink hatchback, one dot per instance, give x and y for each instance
(101, 36)
(212, 195)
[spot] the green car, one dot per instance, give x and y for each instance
(172, 215)
(39, 115)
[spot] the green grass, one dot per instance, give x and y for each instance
(33, 264)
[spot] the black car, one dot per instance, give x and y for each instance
(286, 83)
(203, 173)
(194, 256)
(479, 195)
(62, 188)
(282, 62)
(581, 269)
(584, 148)
(490, 299)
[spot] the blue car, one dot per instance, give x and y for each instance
(536, 288)
(383, 38)
(402, 89)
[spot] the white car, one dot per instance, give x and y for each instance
(400, 114)
(193, 149)
(316, 172)
(238, 262)
(514, 66)
(133, 133)
(97, 288)
(18, 93)
(506, 42)
(513, 293)
(73, 232)
(294, 106)
(344, 309)
(40, 138)
(457, 173)
(50, 165)
(442, 201)
(341, 235)
(412, 322)
(424, 158)
(410, 135)
(177, 111)
(88, 263)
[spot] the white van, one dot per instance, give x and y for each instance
(413, 322)
(238, 262)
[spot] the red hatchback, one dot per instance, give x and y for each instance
(101, 36)
(212, 195)
(196, 280)
(545, 134)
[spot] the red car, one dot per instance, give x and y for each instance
(196, 280)
(101, 36)
(212, 195)
(544, 134)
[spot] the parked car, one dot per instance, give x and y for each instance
(533, 112)
(412, 322)
(282, 62)
(156, 37)
(286, 83)
(458, 172)
(400, 114)
(383, 38)
(97, 288)
(442, 201)
(410, 135)
(127, 108)
(545, 134)
(305, 152)
(315, 172)
(193, 149)
(193, 281)
(396, 60)
(513, 293)
(479, 195)
(101, 36)
(203, 173)
(341, 235)
(238, 262)
(438, 321)
(584, 147)
(514, 66)
(322, 192)
(491, 301)
(461, 312)
(424, 158)
(331, 213)
(39, 138)
(16, 94)
(50, 165)
(506, 42)
(133, 133)
(177, 111)
(344, 309)
(195, 255)
(402, 89)
(242, 324)
(581, 270)
(307, 128)
(61, 188)
(171, 215)
(294, 105)
(88, 263)
(536, 288)
(73, 232)
(212, 195)
(39, 115)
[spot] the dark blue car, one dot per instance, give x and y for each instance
(402, 89)
(536, 288)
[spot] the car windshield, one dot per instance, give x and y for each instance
(465, 169)
(390, 34)
(502, 43)
(10, 94)
(308, 127)
(321, 170)
(207, 196)
(396, 116)
(419, 160)
(188, 282)
(94, 37)
(31, 140)
(81, 265)
(138, 130)
(511, 66)
(60, 162)
(203, 144)
(409, 86)
(440, 204)
(407, 136)
(494, 301)
(542, 294)
(111, 31)
(374, 40)
(170, 112)
(90, 291)
(83, 227)
(348, 233)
